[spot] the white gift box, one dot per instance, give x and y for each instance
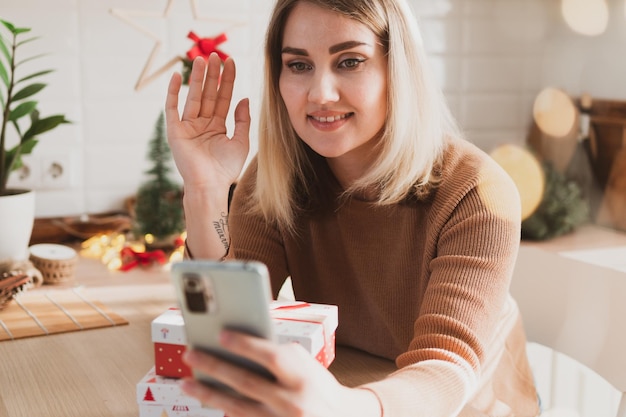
(169, 327)
(311, 325)
(155, 389)
(169, 341)
(178, 411)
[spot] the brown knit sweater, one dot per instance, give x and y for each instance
(423, 282)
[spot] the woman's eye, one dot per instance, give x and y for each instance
(298, 66)
(351, 63)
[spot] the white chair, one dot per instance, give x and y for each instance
(578, 310)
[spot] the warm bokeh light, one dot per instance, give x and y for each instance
(107, 248)
(555, 112)
(526, 172)
(587, 17)
(177, 255)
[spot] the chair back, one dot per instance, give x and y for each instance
(577, 309)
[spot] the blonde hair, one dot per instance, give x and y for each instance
(418, 120)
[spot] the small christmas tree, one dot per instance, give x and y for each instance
(158, 210)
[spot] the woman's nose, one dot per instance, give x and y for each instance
(323, 88)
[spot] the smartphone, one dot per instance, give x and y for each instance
(216, 295)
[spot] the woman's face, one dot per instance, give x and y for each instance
(333, 82)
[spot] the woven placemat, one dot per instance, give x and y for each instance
(40, 313)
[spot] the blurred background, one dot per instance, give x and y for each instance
(492, 58)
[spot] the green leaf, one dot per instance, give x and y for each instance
(43, 125)
(22, 110)
(37, 74)
(8, 25)
(28, 146)
(4, 75)
(28, 91)
(17, 128)
(34, 116)
(17, 64)
(21, 30)
(4, 49)
(24, 148)
(13, 157)
(20, 43)
(14, 30)
(16, 162)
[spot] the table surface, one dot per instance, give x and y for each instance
(95, 372)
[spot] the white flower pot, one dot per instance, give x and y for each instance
(17, 216)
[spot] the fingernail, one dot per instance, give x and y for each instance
(187, 386)
(226, 337)
(189, 357)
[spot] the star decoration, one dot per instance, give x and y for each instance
(148, 73)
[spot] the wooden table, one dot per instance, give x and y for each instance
(95, 372)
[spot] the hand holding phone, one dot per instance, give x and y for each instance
(232, 295)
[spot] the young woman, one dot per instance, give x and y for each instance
(366, 195)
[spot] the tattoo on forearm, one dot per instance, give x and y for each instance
(220, 227)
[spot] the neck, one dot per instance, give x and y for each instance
(347, 174)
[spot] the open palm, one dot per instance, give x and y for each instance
(204, 154)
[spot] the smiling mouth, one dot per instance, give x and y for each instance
(331, 119)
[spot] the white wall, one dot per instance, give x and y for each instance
(492, 57)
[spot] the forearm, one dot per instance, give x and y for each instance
(363, 402)
(206, 218)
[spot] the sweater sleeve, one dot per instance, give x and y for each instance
(464, 318)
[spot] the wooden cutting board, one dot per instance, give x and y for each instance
(40, 313)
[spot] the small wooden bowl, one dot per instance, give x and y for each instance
(56, 262)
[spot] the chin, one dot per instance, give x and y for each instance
(329, 153)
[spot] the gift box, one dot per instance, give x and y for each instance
(311, 325)
(159, 396)
(168, 337)
(177, 411)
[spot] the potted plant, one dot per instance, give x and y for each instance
(20, 128)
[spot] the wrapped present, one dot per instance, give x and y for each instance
(311, 325)
(155, 389)
(178, 411)
(159, 396)
(168, 337)
(168, 360)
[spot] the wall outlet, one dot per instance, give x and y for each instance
(56, 171)
(28, 176)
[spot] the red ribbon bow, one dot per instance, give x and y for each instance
(131, 258)
(205, 46)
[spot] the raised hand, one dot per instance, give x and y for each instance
(204, 154)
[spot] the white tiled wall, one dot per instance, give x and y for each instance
(492, 57)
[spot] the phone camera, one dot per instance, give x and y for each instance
(196, 294)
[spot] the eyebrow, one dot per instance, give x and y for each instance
(332, 50)
(345, 45)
